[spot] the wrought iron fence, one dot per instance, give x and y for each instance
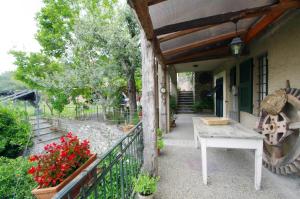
(113, 173)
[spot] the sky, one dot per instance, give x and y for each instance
(17, 29)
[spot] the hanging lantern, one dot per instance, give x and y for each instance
(236, 44)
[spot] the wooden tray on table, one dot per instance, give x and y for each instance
(215, 120)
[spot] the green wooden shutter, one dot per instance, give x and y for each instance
(246, 90)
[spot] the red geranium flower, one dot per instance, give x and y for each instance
(31, 170)
(59, 161)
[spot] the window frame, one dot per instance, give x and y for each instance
(263, 77)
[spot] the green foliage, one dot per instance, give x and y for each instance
(8, 82)
(59, 101)
(35, 69)
(14, 131)
(14, 179)
(145, 184)
(55, 25)
(173, 104)
(160, 144)
(159, 133)
(206, 103)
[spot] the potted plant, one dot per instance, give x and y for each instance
(145, 186)
(59, 165)
(160, 145)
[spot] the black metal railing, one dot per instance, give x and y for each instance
(112, 173)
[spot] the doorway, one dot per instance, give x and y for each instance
(219, 96)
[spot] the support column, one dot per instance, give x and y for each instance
(162, 100)
(168, 101)
(148, 105)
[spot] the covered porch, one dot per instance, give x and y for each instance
(230, 172)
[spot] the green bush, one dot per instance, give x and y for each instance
(160, 144)
(145, 184)
(15, 182)
(14, 131)
(173, 104)
(206, 103)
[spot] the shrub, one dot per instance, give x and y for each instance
(14, 180)
(173, 104)
(206, 103)
(159, 133)
(145, 184)
(160, 144)
(59, 161)
(14, 131)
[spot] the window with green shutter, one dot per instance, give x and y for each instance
(246, 90)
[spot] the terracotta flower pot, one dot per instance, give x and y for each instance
(146, 197)
(48, 193)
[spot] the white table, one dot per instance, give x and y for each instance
(233, 135)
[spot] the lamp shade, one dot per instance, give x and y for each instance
(236, 46)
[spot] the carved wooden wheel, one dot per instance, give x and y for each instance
(281, 131)
(275, 128)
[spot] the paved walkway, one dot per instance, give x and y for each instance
(230, 173)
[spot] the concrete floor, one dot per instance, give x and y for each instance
(230, 173)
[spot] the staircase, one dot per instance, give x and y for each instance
(43, 134)
(185, 102)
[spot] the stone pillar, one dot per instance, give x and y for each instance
(162, 99)
(148, 105)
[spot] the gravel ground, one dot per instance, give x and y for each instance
(230, 172)
(100, 135)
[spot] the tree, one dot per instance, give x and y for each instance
(122, 37)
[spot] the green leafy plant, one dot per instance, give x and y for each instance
(160, 144)
(159, 133)
(206, 103)
(14, 131)
(145, 185)
(14, 180)
(173, 104)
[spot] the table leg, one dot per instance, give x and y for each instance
(204, 160)
(258, 165)
(196, 141)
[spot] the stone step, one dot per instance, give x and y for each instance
(41, 126)
(185, 101)
(42, 132)
(50, 137)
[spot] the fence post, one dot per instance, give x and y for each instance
(122, 173)
(97, 112)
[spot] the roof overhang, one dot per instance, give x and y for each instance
(199, 30)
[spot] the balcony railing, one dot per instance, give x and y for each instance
(112, 173)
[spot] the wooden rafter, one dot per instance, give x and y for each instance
(153, 2)
(203, 55)
(270, 18)
(181, 33)
(202, 43)
(214, 20)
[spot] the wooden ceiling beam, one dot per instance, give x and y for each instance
(142, 12)
(201, 55)
(181, 33)
(153, 2)
(202, 43)
(215, 20)
(268, 19)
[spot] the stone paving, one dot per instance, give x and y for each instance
(230, 172)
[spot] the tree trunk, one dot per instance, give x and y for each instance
(132, 95)
(50, 108)
(148, 105)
